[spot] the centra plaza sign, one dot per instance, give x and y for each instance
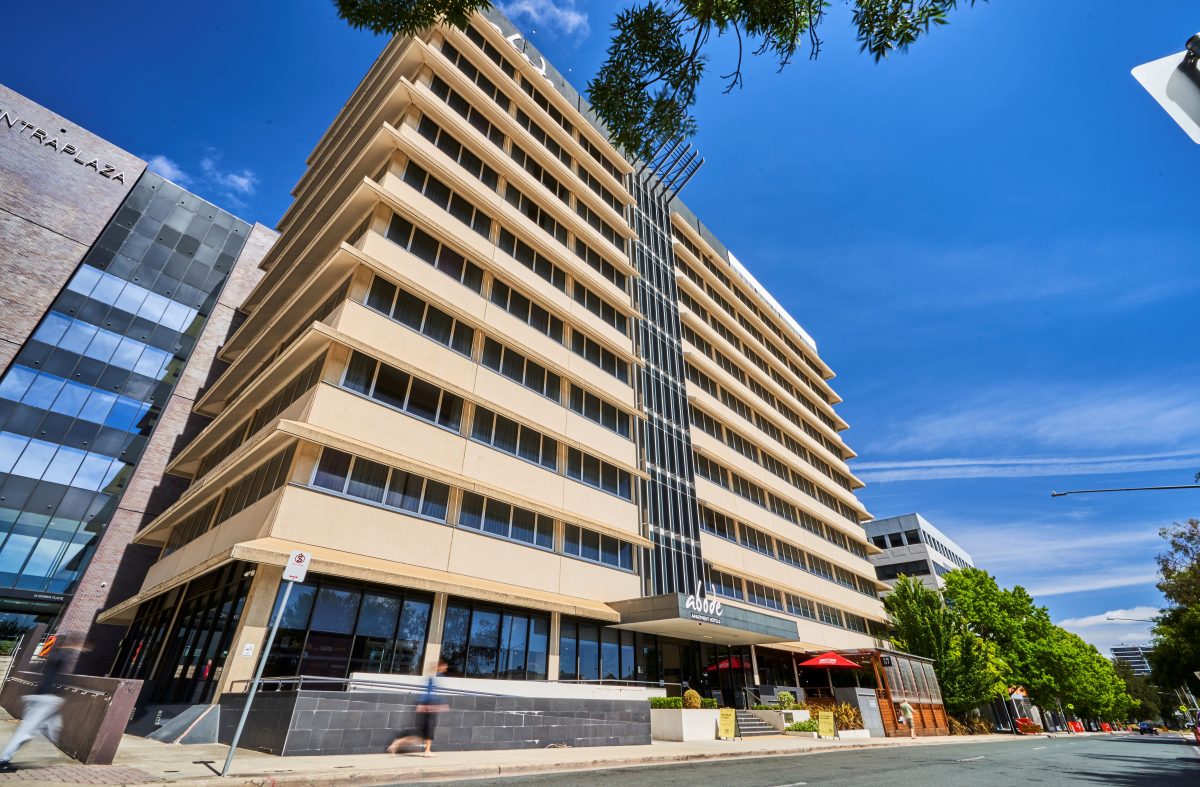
(39, 135)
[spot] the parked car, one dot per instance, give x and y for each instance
(1147, 728)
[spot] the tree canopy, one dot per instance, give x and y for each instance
(646, 88)
(985, 638)
(968, 668)
(1176, 654)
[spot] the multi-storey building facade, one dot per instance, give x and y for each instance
(911, 546)
(1136, 656)
(113, 295)
(524, 412)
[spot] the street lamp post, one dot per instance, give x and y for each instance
(1123, 489)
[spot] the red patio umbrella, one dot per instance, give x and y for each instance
(733, 662)
(830, 661)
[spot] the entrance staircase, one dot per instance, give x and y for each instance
(750, 726)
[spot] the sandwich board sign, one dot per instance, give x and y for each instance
(1174, 82)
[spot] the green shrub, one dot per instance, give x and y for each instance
(666, 703)
(787, 700)
(708, 703)
(803, 726)
(691, 699)
(760, 706)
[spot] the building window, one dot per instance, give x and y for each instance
(333, 628)
(446, 199)
(521, 370)
(912, 537)
(495, 642)
(763, 596)
(430, 250)
(523, 253)
(595, 353)
(597, 547)
(524, 309)
(801, 607)
(602, 266)
(403, 391)
(718, 524)
(506, 521)
(591, 652)
(756, 540)
(724, 584)
(426, 319)
(595, 409)
(446, 142)
(601, 308)
(511, 437)
(599, 474)
(376, 483)
(827, 614)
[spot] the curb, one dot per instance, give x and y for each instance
(434, 773)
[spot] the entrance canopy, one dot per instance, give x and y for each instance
(683, 616)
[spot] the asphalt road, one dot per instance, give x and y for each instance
(1111, 760)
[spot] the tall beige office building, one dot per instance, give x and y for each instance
(524, 411)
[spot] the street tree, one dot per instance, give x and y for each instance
(1146, 701)
(968, 668)
(1179, 566)
(645, 90)
(1176, 654)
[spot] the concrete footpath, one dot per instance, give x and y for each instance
(141, 761)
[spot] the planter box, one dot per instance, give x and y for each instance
(779, 719)
(684, 725)
(854, 733)
(800, 734)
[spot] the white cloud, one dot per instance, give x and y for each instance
(240, 183)
(1104, 633)
(1022, 467)
(1145, 415)
(1092, 580)
(560, 17)
(1139, 614)
(161, 165)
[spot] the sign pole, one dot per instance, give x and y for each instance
(295, 571)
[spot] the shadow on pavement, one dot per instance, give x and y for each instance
(1145, 770)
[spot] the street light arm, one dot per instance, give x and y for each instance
(1123, 489)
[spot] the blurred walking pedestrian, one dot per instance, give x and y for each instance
(429, 706)
(906, 711)
(42, 709)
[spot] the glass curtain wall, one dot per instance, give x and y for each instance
(668, 496)
(79, 401)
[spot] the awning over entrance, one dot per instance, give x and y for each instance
(683, 616)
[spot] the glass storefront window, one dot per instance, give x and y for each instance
(568, 655)
(492, 642)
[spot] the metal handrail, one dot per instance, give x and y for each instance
(64, 686)
(298, 682)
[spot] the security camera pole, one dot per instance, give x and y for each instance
(1174, 82)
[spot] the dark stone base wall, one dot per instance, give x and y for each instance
(334, 722)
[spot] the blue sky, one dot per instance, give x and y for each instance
(993, 238)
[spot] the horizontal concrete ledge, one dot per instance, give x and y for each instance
(433, 770)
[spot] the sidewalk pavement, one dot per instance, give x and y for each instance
(142, 761)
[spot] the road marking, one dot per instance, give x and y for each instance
(972, 759)
(793, 784)
(1035, 748)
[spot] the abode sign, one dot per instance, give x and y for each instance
(702, 608)
(36, 134)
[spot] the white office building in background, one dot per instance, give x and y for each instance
(913, 547)
(1136, 656)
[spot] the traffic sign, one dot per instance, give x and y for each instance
(1175, 85)
(297, 566)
